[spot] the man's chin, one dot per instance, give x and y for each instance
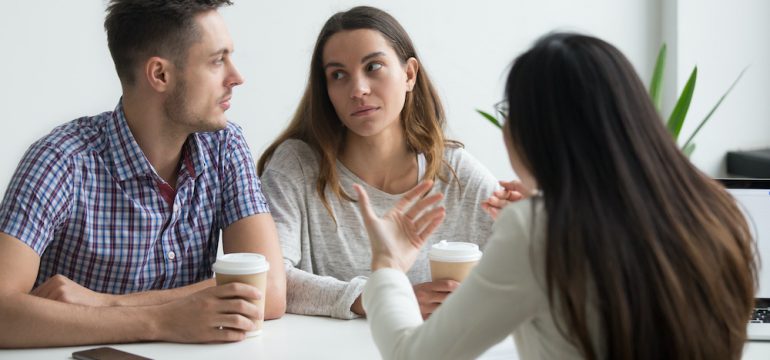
(213, 125)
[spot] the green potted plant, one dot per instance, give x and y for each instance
(678, 114)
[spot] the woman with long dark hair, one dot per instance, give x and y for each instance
(369, 115)
(627, 252)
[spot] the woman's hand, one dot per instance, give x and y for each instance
(512, 191)
(396, 238)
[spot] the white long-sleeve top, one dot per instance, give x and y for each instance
(504, 295)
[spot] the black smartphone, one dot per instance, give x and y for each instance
(106, 353)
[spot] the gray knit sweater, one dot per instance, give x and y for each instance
(326, 264)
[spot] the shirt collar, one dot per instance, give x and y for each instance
(196, 154)
(128, 157)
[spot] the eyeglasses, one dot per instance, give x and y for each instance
(501, 110)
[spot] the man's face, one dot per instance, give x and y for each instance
(203, 88)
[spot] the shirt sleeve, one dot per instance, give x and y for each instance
(500, 294)
(37, 201)
(242, 190)
(307, 293)
(478, 185)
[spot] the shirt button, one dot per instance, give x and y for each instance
(171, 255)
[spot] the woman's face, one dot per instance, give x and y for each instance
(525, 176)
(366, 81)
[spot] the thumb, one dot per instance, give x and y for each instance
(513, 185)
(363, 202)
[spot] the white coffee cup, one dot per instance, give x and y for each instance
(453, 260)
(247, 268)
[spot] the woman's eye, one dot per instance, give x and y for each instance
(374, 66)
(337, 75)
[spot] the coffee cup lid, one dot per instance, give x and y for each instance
(241, 264)
(454, 251)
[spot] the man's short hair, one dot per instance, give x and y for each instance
(140, 29)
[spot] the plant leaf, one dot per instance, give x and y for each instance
(688, 149)
(657, 77)
(490, 118)
(676, 119)
(708, 116)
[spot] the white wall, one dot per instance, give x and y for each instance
(56, 66)
(722, 38)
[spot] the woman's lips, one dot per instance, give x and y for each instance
(364, 111)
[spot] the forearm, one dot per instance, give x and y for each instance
(275, 301)
(310, 294)
(157, 297)
(31, 321)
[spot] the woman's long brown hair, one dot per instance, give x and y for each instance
(634, 231)
(316, 123)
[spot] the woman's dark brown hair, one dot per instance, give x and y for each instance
(316, 123)
(665, 249)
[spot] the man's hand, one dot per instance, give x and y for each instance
(432, 294)
(61, 288)
(217, 314)
(512, 191)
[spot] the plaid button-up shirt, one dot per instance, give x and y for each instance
(87, 200)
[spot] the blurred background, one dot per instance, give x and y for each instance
(55, 65)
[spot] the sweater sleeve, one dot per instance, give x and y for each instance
(307, 293)
(500, 294)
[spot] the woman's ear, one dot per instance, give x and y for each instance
(412, 67)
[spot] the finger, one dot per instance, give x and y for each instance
(513, 185)
(234, 322)
(422, 205)
(517, 186)
(413, 194)
(226, 335)
(427, 297)
(237, 290)
(498, 203)
(444, 286)
(493, 213)
(363, 202)
(240, 307)
(428, 309)
(427, 218)
(432, 227)
(510, 195)
(39, 291)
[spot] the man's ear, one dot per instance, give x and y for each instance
(412, 67)
(159, 73)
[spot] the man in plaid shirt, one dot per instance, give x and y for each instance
(111, 223)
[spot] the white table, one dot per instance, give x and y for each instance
(291, 337)
(294, 337)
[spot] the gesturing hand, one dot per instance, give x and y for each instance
(397, 236)
(512, 191)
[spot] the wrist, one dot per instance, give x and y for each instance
(383, 262)
(153, 322)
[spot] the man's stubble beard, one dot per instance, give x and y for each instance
(177, 109)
